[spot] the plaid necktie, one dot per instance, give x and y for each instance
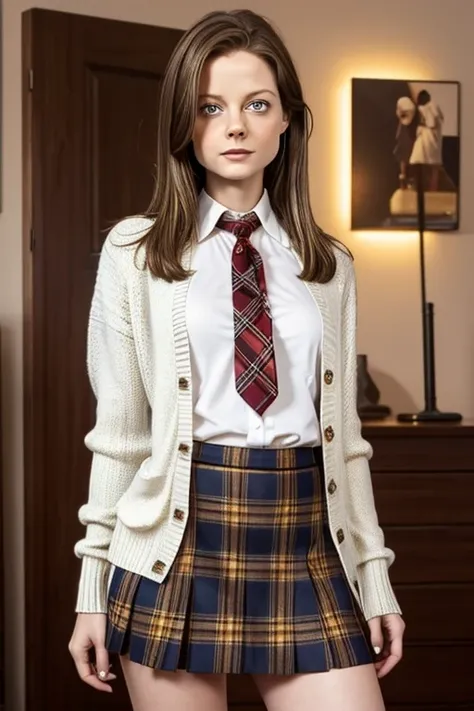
(254, 360)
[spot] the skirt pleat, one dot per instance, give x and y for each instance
(257, 586)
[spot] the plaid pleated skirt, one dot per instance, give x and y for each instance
(257, 586)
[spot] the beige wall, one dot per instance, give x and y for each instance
(330, 42)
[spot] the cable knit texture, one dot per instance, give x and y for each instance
(139, 363)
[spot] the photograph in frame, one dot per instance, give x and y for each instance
(398, 126)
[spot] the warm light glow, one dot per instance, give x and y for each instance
(395, 67)
(393, 238)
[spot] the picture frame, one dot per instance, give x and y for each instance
(398, 125)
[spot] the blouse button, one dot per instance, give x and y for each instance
(328, 377)
(329, 434)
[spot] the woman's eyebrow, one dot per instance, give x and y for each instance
(217, 97)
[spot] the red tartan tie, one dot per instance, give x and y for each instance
(254, 360)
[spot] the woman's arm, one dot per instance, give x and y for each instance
(121, 437)
(373, 558)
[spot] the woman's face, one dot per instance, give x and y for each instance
(239, 109)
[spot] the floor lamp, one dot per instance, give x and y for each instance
(430, 413)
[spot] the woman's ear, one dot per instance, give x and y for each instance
(285, 123)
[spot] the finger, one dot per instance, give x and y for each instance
(86, 670)
(376, 634)
(387, 665)
(396, 652)
(102, 663)
(82, 662)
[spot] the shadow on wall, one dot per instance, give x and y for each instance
(393, 394)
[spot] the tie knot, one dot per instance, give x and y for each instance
(240, 227)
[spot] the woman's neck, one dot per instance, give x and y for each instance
(238, 196)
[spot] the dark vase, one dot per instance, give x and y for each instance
(368, 394)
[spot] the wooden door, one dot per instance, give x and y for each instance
(90, 102)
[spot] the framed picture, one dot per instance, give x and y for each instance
(402, 132)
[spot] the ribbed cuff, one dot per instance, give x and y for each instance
(92, 593)
(376, 591)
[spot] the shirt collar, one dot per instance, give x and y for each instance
(210, 210)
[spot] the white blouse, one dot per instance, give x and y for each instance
(221, 416)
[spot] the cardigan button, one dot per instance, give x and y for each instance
(329, 434)
(328, 377)
(332, 486)
(183, 447)
(340, 535)
(159, 567)
(183, 384)
(178, 515)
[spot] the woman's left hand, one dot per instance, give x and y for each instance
(386, 633)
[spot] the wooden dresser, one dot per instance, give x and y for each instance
(423, 479)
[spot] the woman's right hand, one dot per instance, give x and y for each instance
(89, 632)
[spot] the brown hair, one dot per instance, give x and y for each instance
(179, 176)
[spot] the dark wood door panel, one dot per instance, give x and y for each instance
(432, 554)
(424, 498)
(424, 610)
(89, 155)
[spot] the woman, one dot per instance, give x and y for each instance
(230, 524)
(428, 146)
(406, 135)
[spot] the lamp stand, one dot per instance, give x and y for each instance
(430, 413)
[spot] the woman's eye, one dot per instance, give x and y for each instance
(259, 106)
(210, 109)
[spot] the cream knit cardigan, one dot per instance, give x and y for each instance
(140, 371)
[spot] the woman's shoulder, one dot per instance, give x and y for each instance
(344, 263)
(126, 232)
(121, 241)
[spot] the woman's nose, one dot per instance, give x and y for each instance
(235, 132)
(236, 127)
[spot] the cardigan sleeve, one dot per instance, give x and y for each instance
(373, 558)
(121, 437)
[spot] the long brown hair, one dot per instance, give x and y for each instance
(179, 176)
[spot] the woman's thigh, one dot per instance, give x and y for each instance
(352, 689)
(154, 690)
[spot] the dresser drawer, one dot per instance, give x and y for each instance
(431, 675)
(432, 554)
(420, 498)
(422, 448)
(426, 612)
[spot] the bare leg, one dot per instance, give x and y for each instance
(352, 689)
(152, 690)
(403, 175)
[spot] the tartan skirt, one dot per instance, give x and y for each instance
(257, 586)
